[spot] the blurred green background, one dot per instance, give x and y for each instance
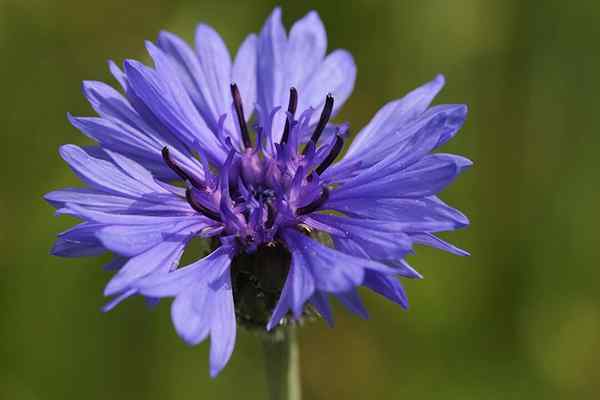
(519, 319)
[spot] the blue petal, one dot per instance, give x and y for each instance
(151, 302)
(79, 241)
(414, 139)
(393, 116)
(243, 73)
(155, 126)
(102, 174)
(319, 300)
(380, 240)
(199, 116)
(123, 130)
(428, 239)
(425, 214)
(352, 301)
(191, 314)
(332, 271)
(298, 288)
(131, 240)
(161, 258)
(402, 149)
(316, 267)
(215, 63)
(387, 286)
(425, 178)
(403, 269)
(121, 127)
(115, 264)
(110, 104)
(72, 249)
(108, 203)
(135, 170)
(118, 300)
(189, 70)
(118, 74)
(336, 75)
(299, 62)
(272, 43)
(461, 162)
(205, 271)
(113, 134)
(165, 96)
(223, 328)
(203, 303)
(127, 219)
(305, 51)
(369, 238)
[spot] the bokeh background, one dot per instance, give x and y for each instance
(519, 319)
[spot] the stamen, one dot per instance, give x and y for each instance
(239, 110)
(293, 104)
(335, 151)
(315, 204)
(325, 115)
(200, 208)
(179, 171)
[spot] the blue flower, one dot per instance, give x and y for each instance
(177, 158)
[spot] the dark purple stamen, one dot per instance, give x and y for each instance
(293, 104)
(200, 208)
(315, 204)
(239, 110)
(179, 171)
(325, 115)
(335, 151)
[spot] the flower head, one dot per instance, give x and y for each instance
(177, 157)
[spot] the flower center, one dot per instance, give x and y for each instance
(271, 184)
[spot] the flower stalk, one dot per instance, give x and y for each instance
(282, 364)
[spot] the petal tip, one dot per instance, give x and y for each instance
(66, 151)
(114, 286)
(214, 371)
(440, 79)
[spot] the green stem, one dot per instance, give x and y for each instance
(282, 361)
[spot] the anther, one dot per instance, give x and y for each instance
(315, 204)
(325, 115)
(200, 208)
(335, 151)
(239, 110)
(166, 155)
(293, 104)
